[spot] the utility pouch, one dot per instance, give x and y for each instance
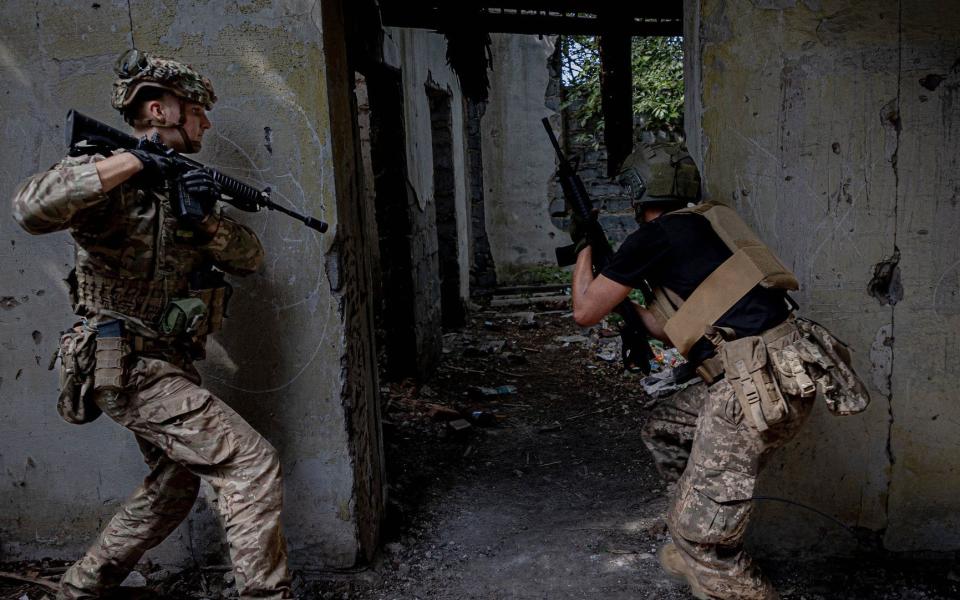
(77, 354)
(183, 317)
(828, 361)
(790, 372)
(215, 300)
(111, 355)
(748, 371)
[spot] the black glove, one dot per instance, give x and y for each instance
(157, 168)
(197, 194)
(580, 230)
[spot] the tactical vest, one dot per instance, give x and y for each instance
(751, 264)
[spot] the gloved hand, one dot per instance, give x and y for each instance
(580, 229)
(157, 168)
(197, 195)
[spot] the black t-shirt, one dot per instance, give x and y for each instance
(679, 251)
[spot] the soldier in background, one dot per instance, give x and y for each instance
(149, 288)
(720, 298)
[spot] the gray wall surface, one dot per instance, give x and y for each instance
(835, 133)
(295, 356)
(518, 160)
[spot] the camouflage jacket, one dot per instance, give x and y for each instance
(127, 242)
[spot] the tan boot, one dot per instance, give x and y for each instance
(672, 562)
(757, 588)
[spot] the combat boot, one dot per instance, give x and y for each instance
(757, 587)
(672, 562)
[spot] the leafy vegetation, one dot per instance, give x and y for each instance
(657, 80)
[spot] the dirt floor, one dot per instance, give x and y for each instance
(539, 490)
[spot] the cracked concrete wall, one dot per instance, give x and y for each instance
(518, 160)
(294, 358)
(835, 134)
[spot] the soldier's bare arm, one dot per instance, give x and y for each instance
(593, 298)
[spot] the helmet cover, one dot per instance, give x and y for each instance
(136, 69)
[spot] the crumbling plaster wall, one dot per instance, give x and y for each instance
(518, 160)
(832, 126)
(421, 57)
(295, 358)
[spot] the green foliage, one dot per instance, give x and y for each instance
(544, 274)
(657, 80)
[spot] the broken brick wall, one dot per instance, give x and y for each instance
(295, 357)
(835, 134)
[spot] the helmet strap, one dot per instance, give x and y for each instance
(187, 143)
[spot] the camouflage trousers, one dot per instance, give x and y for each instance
(187, 434)
(700, 439)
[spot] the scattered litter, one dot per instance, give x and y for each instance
(608, 353)
(663, 383)
(664, 357)
(492, 392)
(459, 425)
(135, 579)
(484, 418)
(439, 412)
(571, 339)
(34, 580)
(484, 349)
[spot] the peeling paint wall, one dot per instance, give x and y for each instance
(421, 57)
(518, 160)
(294, 359)
(835, 134)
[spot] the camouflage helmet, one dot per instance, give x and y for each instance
(660, 173)
(136, 69)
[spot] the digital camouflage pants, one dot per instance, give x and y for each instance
(187, 434)
(701, 442)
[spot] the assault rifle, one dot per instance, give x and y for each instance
(636, 350)
(88, 136)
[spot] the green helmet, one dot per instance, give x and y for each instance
(661, 173)
(136, 70)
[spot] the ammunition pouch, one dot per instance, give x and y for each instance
(748, 371)
(77, 355)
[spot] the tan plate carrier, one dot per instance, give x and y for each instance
(751, 264)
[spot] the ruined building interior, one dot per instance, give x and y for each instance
(414, 129)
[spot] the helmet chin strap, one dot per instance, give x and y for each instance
(188, 145)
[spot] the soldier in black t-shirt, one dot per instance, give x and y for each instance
(703, 443)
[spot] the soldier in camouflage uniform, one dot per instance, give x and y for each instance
(133, 258)
(703, 445)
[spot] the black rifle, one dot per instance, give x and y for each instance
(636, 349)
(88, 136)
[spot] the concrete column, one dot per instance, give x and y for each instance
(295, 358)
(834, 134)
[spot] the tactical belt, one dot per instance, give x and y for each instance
(711, 369)
(139, 298)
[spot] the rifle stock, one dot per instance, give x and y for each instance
(86, 135)
(636, 350)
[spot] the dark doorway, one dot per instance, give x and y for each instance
(388, 161)
(452, 310)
